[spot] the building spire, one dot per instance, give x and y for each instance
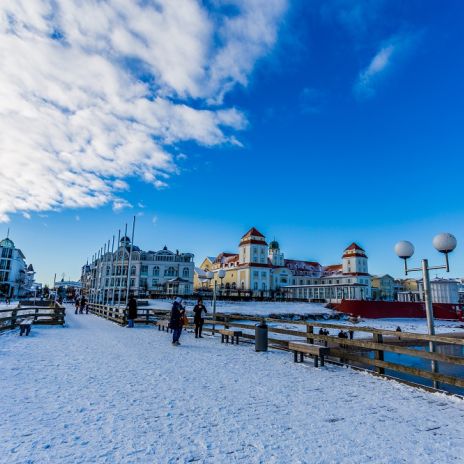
(8, 233)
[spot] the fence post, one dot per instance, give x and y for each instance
(226, 322)
(378, 354)
(14, 313)
(36, 313)
(148, 315)
(309, 332)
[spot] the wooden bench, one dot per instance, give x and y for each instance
(305, 348)
(163, 324)
(25, 326)
(233, 334)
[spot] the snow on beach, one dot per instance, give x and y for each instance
(256, 308)
(253, 308)
(95, 392)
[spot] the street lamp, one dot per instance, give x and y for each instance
(210, 276)
(221, 275)
(444, 243)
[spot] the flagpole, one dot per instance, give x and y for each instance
(111, 271)
(122, 267)
(129, 263)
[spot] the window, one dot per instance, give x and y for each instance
(186, 272)
(255, 274)
(170, 272)
(144, 269)
(107, 270)
(133, 270)
(156, 271)
(132, 282)
(255, 286)
(154, 282)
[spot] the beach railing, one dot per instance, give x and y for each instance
(365, 347)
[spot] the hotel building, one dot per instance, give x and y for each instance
(151, 273)
(260, 269)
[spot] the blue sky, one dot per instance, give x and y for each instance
(340, 121)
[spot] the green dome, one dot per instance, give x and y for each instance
(274, 245)
(7, 243)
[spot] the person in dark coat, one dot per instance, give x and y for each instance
(176, 322)
(198, 319)
(77, 304)
(131, 311)
(83, 304)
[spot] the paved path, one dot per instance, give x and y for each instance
(93, 392)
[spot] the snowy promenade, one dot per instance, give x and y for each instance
(93, 392)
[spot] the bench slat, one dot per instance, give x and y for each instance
(308, 348)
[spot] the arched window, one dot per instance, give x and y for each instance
(170, 272)
(133, 270)
(185, 272)
(107, 270)
(156, 271)
(234, 285)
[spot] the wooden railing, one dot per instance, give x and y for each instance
(365, 347)
(51, 315)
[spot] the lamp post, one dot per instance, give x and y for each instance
(221, 275)
(444, 243)
(210, 276)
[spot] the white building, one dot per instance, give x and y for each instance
(16, 278)
(260, 270)
(151, 273)
(349, 280)
(443, 291)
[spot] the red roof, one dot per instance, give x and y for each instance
(299, 262)
(333, 267)
(253, 231)
(354, 246)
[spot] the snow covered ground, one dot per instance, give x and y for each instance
(408, 325)
(93, 392)
(250, 308)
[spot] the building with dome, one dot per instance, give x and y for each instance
(16, 277)
(261, 269)
(151, 273)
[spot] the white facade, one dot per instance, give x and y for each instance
(163, 271)
(258, 268)
(16, 278)
(443, 291)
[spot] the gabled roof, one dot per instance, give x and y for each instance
(333, 267)
(253, 232)
(354, 246)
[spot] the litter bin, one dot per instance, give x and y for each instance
(261, 336)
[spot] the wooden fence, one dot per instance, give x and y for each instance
(51, 315)
(365, 347)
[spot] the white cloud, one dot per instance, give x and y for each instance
(26, 215)
(119, 204)
(154, 219)
(77, 118)
(380, 64)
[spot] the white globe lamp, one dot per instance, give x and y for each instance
(404, 249)
(221, 273)
(445, 242)
(209, 275)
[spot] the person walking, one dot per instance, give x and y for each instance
(76, 304)
(82, 305)
(177, 320)
(131, 311)
(198, 318)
